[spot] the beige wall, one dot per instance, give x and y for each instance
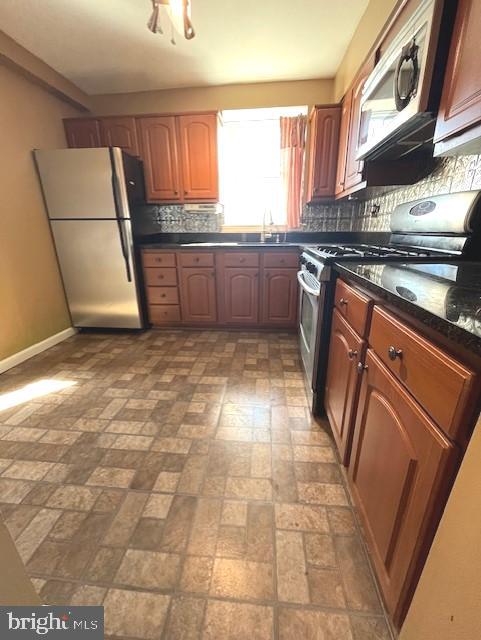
(446, 605)
(32, 303)
(16, 57)
(236, 96)
(370, 25)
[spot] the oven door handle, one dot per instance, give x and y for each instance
(306, 287)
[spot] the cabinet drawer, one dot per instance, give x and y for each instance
(162, 295)
(241, 259)
(440, 384)
(189, 259)
(161, 277)
(354, 306)
(158, 259)
(281, 259)
(159, 314)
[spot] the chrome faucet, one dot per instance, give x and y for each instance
(265, 235)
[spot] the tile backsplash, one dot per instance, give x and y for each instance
(461, 173)
(172, 218)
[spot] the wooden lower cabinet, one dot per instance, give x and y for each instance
(279, 300)
(346, 351)
(198, 295)
(217, 287)
(239, 294)
(400, 470)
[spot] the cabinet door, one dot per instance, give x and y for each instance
(279, 297)
(460, 106)
(343, 142)
(198, 140)
(120, 132)
(82, 132)
(346, 350)
(197, 295)
(354, 175)
(324, 143)
(240, 295)
(161, 160)
(400, 469)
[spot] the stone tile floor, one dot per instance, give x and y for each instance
(181, 482)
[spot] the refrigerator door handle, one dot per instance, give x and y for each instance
(118, 213)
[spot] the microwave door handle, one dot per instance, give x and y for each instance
(408, 52)
(305, 286)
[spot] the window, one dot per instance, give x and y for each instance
(250, 168)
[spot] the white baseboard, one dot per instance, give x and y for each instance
(35, 349)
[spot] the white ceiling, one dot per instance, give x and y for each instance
(103, 46)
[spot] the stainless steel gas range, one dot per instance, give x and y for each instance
(437, 229)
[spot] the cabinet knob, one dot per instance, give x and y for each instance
(394, 353)
(351, 354)
(242, 260)
(186, 193)
(343, 301)
(361, 367)
(162, 295)
(176, 193)
(196, 259)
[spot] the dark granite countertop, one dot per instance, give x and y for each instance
(293, 238)
(224, 245)
(444, 296)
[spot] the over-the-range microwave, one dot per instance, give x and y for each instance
(401, 96)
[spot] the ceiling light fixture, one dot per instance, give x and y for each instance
(177, 13)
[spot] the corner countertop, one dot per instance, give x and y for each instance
(444, 296)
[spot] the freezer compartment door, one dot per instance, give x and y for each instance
(82, 183)
(99, 276)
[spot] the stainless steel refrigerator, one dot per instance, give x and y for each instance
(89, 195)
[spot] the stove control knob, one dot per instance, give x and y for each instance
(302, 260)
(311, 268)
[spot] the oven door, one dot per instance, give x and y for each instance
(308, 317)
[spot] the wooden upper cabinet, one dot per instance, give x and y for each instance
(161, 158)
(279, 297)
(346, 351)
(460, 106)
(82, 132)
(198, 144)
(239, 295)
(400, 467)
(198, 295)
(323, 151)
(343, 142)
(120, 132)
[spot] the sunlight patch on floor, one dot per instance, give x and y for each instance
(32, 391)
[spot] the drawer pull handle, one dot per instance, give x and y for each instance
(394, 353)
(343, 301)
(361, 367)
(351, 354)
